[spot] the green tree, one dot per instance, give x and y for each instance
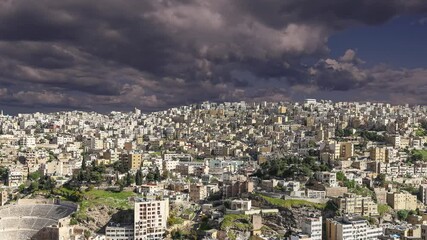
(350, 184)
(402, 214)
(121, 167)
(34, 176)
(149, 177)
(381, 179)
(47, 183)
(383, 209)
(21, 188)
(416, 156)
(129, 179)
(157, 176)
(84, 164)
(87, 234)
(138, 177)
(341, 176)
(3, 173)
(34, 186)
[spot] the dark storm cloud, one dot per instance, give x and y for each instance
(159, 53)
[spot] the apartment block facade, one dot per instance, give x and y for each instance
(150, 219)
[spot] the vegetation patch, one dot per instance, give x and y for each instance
(290, 167)
(93, 198)
(384, 209)
(236, 221)
(419, 155)
(292, 203)
(173, 220)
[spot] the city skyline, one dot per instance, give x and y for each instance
(134, 109)
(159, 54)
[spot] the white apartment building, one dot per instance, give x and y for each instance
(351, 228)
(240, 204)
(313, 227)
(150, 219)
(117, 232)
(61, 140)
(170, 165)
(329, 178)
(15, 178)
(95, 144)
(176, 156)
(29, 142)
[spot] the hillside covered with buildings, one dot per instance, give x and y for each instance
(233, 170)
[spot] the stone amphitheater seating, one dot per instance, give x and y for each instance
(23, 221)
(18, 234)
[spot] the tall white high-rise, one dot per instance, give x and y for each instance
(150, 219)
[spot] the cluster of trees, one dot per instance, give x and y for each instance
(354, 187)
(181, 234)
(152, 175)
(377, 128)
(380, 180)
(417, 156)
(372, 136)
(121, 167)
(347, 132)
(126, 182)
(38, 182)
(93, 173)
(347, 183)
(403, 214)
(138, 178)
(290, 166)
(68, 193)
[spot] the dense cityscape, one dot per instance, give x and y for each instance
(234, 170)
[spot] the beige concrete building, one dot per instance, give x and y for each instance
(379, 154)
(133, 160)
(198, 192)
(346, 150)
(355, 204)
(236, 186)
(269, 185)
(281, 110)
(402, 201)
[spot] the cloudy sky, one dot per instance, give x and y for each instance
(153, 54)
